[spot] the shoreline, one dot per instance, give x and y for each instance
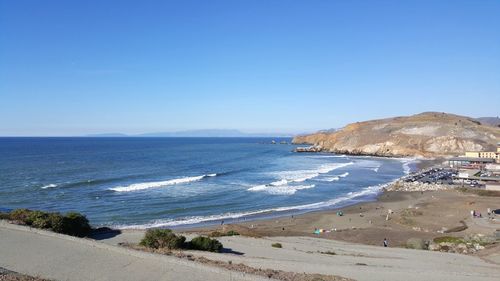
(276, 213)
(395, 215)
(414, 215)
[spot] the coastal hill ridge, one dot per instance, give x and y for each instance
(428, 134)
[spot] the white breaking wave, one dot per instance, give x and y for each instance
(344, 175)
(328, 156)
(406, 164)
(281, 189)
(335, 178)
(285, 186)
(156, 184)
(330, 179)
(303, 175)
(376, 169)
(199, 219)
(49, 186)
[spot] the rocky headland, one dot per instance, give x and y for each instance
(429, 134)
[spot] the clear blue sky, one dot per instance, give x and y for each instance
(78, 67)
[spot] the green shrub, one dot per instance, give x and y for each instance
(75, 224)
(220, 234)
(448, 239)
(276, 245)
(56, 221)
(39, 219)
(4, 216)
(162, 238)
(232, 233)
(205, 244)
(72, 223)
(21, 215)
(216, 234)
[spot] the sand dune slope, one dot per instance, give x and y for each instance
(360, 262)
(59, 257)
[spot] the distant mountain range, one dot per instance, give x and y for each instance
(210, 133)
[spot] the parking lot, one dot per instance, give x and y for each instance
(434, 175)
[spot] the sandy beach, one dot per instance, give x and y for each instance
(414, 214)
(357, 241)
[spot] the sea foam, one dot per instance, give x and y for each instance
(287, 184)
(156, 184)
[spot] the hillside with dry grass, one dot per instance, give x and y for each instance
(428, 134)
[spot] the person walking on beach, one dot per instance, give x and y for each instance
(385, 242)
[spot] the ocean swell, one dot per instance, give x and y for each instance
(370, 190)
(280, 189)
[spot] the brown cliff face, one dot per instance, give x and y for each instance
(428, 134)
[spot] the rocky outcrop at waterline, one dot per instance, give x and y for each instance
(429, 134)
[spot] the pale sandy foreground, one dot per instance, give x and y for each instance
(61, 257)
(360, 262)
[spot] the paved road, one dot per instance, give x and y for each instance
(60, 257)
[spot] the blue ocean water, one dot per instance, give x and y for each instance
(147, 182)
